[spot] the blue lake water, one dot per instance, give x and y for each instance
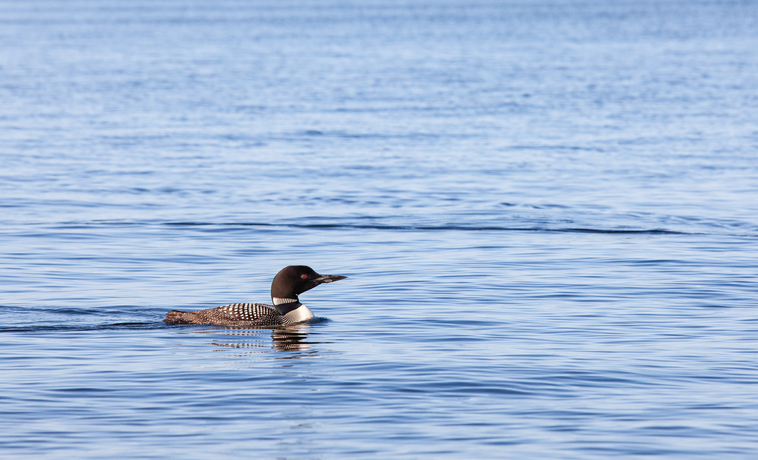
(547, 210)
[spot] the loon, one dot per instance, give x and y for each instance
(287, 309)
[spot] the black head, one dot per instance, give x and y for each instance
(296, 279)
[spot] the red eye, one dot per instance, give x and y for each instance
(305, 277)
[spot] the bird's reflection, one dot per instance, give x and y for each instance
(291, 338)
(286, 338)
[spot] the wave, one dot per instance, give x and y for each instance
(84, 327)
(658, 231)
(629, 226)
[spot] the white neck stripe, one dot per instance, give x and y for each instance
(280, 301)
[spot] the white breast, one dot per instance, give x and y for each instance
(301, 313)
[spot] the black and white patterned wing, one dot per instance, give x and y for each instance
(243, 314)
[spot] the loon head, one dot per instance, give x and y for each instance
(296, 279)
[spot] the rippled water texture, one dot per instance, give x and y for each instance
(547, 211)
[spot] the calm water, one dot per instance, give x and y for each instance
(547, 210)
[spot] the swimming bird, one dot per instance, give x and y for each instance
(287, 309)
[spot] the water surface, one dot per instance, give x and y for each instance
(546, 210)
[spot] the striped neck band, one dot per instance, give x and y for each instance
(280, 301)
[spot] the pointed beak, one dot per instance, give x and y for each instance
(320, 279)
(328, 279)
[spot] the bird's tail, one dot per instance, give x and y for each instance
(179, 317)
